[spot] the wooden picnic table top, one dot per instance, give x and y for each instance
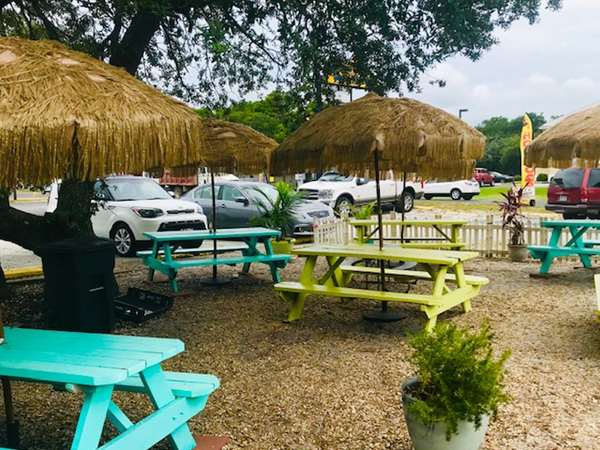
(408, 223)
(370, 251)
(80, 358)
(221, 233)
(590, 223)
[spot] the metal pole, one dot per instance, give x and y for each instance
(402, 205)
(384, 305)
(214, 221)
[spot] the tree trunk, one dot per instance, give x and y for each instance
(130, 51)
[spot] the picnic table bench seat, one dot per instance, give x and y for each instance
(438, 245)
(193, 251)
(412, 274)
(233, 261)
(540, 251)
(183, 384)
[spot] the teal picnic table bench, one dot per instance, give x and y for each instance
(161, 257)
(577, 245)
(444, 269)
(96, 365)
(441, 241)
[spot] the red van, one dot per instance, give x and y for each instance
(483, 177)
(575, 193)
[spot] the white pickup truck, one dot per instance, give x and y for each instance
(342, 192)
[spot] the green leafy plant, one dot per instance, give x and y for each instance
(512, 219)
(542, 177)
(458, 377)
(364, 211)
(279, 214)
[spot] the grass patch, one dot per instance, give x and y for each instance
(493, 193)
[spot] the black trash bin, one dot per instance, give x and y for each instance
(80, 286)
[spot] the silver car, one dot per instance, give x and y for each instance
(238, 202)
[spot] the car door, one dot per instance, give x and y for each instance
(103, 217)
(233, 208)
(203, 197)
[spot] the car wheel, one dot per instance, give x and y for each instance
(455, 194)
(492, 183)
(428, 197)
(570, 216)
(343, 205)
(124, 240)
(467, 197)
(407, 202)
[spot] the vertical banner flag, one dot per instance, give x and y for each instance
(527, 173)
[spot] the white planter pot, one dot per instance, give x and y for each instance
(434, 437)
(517, 253)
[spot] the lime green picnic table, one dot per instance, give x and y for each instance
(575, 246)
(161, 257)
(444, 269)
(365, 228)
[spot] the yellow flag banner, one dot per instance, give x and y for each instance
(527, 173)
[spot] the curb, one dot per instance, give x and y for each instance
(23, 273)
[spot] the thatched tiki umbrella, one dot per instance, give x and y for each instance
(377, 134)
(66, 115)
(574, 138)
(236, 148)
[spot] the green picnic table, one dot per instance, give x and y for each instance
(96, 365)
(444, 269)
(575, 246)
(365, 228)
(161, 257)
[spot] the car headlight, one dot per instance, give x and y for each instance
(148, 213)
(326, 193)
(199, 210)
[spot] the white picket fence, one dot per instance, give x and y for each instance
(484, 235)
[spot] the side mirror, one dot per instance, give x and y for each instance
(361, 181)
(242, 200)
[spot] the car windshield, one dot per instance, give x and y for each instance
(334, 177)
(263, 194)
(136, 189)
(568, 178)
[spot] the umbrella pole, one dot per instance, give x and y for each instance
(214, 281)
(403, 212)
(384, 315)
(12, 426)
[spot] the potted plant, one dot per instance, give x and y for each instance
(512, 219)
(278, 215)
(458, 388)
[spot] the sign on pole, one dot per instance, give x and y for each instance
(527, 173)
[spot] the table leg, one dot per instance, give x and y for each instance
(577, 238)
(155, 257)
(172, 272)
(549, 258)
(92, 418)
(160, 394)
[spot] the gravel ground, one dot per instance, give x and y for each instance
(332, 380)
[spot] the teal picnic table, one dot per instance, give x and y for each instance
(575, 246)
(96, 365)
(161, 257)
(365, 228)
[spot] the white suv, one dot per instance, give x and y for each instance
(130, 206)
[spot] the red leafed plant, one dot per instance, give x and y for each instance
(512, 219)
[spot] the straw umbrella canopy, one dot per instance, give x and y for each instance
(576, 137)
(231, 147)
(408, 136)
(377, 133)
(66, 114)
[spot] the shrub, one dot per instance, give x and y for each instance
(459, 378)
(517, 177)
(364, 211)
(512, 219)
(279, 214)
(542, 177)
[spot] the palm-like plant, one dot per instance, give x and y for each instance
(279, 214)
(512, 219)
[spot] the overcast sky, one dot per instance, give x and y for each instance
(552, 67)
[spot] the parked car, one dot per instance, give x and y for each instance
(466, 189)
(130, 206)
(483, 177)
(238, 202)
(342, 192)
(575, 193)
(502, 178)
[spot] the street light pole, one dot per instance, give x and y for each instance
(461, 111)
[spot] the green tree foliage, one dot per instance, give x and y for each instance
(503, 135)
(202, 50)
(276, 116)
(459, 377)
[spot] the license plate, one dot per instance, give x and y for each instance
(562, 198)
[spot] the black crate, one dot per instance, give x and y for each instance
(139, 305)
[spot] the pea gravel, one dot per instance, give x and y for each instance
(332, 380)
